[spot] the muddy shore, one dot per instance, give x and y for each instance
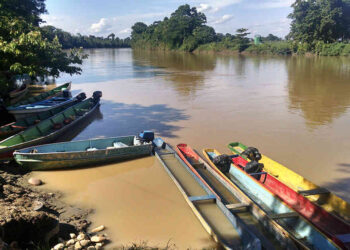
(32, 218)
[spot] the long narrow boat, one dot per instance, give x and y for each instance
(50, 129)
(21, 91)
(35, 108)
(226, 229)
(321, 196)
(51, 93)
(270, 233)
(334, 227)
(82, 153)
(303, 232)
(22, 124)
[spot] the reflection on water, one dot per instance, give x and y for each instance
(184, 71)
(319, 87)
(294, 109)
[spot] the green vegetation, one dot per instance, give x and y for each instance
(24, 50)
(76, 41)
(318, 26)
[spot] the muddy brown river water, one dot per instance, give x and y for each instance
(294, 109)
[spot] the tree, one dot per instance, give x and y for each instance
(271, 38)
(24, 50)
(319, 20)
(112, 36)
(242, 39)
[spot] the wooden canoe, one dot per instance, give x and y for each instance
(82, 153)
(321, 196)
(270, 233)
(303, 232)
(50, 129)
(332, 226)
(22, 124)
(21, 91)
(51, 93)
(35, 108)
(225, 228)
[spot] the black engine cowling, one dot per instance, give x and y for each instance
(252, 154)
(254, 167)
(223, 162)
(97, 95)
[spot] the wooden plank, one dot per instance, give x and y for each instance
(284, 215)
(168, 153)
(237, 205)
(345, 238)
(202, 198)
(314, 191)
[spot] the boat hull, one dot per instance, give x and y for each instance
(78, 159)
(327, 200)
(225, 229)
(271, 235)
(6, 153)
(303, 232)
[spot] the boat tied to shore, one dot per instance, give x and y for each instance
(43, 96)
(84, 152)
(24, 123)
(35, 108)
(226, 229)
(50, 129)
(303, 232)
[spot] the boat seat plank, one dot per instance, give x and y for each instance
(313, 191)
(237, 205)
(284, 215)
(167, 153)
(198, 165)
(202, 198)
(345, 238)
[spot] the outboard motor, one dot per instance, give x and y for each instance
(97, 96)
(81, 96)
(223, 162)
(66, 93)
(146, 136)
(252, 154)
(254, 167)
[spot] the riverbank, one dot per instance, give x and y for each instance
(33, 218)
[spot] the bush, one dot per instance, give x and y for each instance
(278, 48)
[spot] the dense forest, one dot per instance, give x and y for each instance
(321, 27)
(76, 41)
(24, 49)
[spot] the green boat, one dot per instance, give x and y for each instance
(50, 129)
(22, 124)
(82, 153)
(51, 93)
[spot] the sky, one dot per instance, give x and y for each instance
(102, 17)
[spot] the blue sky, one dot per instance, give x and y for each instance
(102, 17)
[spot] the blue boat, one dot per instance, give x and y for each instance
(303, 233)
(226, 228)
(28, 110)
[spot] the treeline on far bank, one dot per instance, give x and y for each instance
(68, 41)
(320, 27)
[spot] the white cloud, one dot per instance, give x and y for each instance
(204, 7)
(102, 26)
(272, 4)
(215, 5)
(125, 31)
(223, 19)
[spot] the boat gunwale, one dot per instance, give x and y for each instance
(299, 241)
(218, 202)
(13, 147)
(17, 152)
(336, 212)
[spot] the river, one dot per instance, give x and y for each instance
(294, 109)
